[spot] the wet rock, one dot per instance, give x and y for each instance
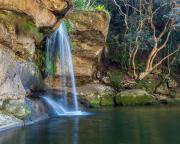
(134, 97)
(8, 121)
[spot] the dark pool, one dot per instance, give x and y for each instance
(143, 125)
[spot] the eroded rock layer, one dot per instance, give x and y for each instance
(91, 29)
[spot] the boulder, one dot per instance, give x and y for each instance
(16, 108)
(95, 95)
(134, 97)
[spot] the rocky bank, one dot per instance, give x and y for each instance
(24, 26)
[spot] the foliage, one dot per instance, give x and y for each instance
(51, 67)
(45, 66)
(83, 4)
(101, 8)
(22, 25)
(122, 38)
(40, 59)
(30, 29)
(89, 5)
(148, 84)
(116, 77)
(69, 26)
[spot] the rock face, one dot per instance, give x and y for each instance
(14, 80)
(40, 11)
(88, 39)
(11, 85)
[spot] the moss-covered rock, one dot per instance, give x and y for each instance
(134, 97)
(16, 108)
(148, 85)
(107, 100)
(96, 95)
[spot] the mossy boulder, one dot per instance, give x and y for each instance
(16, 108)
(134, 97)
(96, 95)
(148, 85)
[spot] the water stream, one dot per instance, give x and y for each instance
(58, 47)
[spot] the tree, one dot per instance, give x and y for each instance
(146, 22)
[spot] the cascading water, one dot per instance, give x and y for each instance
(58, 45)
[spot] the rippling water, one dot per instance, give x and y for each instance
(143, 125)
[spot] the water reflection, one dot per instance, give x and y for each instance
(64, 131)
(117, 126)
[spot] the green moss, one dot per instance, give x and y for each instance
(116, 77)
(148, 85)
(101, 8)
(22, 24)
(131, 101)
(107, 101)
(51, 67)
(30, 29)
(16, 108)
(69, 26)
(40, 59)
(95, 102)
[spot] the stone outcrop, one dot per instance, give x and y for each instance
(16, 78)
(88, 39)
(20, 23)
(10, 83)
(40, 11)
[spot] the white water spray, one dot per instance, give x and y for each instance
(58, 45)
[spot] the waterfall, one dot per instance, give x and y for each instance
(58, 46)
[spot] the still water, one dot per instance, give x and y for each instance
(142, 125)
